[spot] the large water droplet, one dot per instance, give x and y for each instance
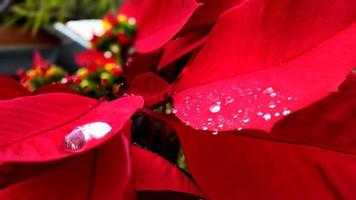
(215, 108)
(74, 141)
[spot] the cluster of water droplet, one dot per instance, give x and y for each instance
(235, 108)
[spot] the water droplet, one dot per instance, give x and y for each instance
(209, 119)
(272, 105)
(229, 100)
(74, 141)
(286, 112)
(239, 111)
(245, 120)
(174, 111)
(235, 116)
(187, 99)
(289, 98)
(187, 123)
(273, 94)
(215, 108)
(259, 113)
(215, 132)
(205, 128)
(267, 117)
(268, 90)
(239, 129)
(220, 125)
(276, 114)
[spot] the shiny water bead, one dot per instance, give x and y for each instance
(74, 141)
(215, 108)
(78, 137)
(267, 117)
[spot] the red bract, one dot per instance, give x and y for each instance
(150, 86)
(169, 177)
(35, 127)
(158, 21)
(308, 155)
(253, 72)
(43, 129)
(10, 88)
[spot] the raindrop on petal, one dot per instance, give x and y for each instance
(286, 112)
(74, 141)
(267, 117)
(259, 113)
(273, 94)
(214, 108)
(272, 105)
(229, 100)
(245, 120)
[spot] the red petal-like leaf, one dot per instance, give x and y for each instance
(252, 72)
(156, 174)
(10, 88)
(208, 13)
(104, 173)
(308, 155)
(158, 20)
(141, 63)
(55, 88)
(181, 46)
(150, 86)
(33, 128)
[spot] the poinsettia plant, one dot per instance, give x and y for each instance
(260, 93)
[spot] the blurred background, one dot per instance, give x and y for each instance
(57, 28)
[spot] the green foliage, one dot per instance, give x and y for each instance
(36, 13)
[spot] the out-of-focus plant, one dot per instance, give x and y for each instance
(36, 13)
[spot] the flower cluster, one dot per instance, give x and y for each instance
(42, 73)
